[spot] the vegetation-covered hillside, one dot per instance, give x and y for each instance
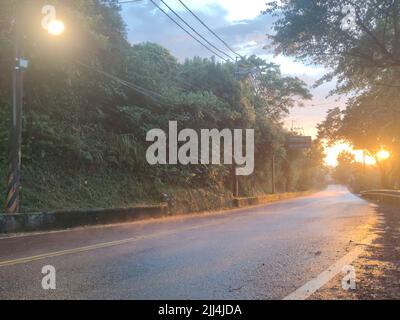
(91, 97)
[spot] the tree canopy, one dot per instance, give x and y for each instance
(363, 58)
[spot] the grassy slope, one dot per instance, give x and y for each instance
(53, 189)
(46, 189)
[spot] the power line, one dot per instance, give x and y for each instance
(180, 26)
(148, 93)
(209, 29)
(185, 30)
(195, 31)
(142, 90)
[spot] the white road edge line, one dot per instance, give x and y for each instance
(318, 282)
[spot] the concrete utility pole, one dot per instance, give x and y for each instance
(273, 173)
(54, 27)
(14, 179)
(235, 180)
(238, 72)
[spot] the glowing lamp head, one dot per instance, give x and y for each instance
(56, 28)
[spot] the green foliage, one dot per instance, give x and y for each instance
(365, 62)
(358, 57)
(91, 97)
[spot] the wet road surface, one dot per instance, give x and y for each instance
(264, 252)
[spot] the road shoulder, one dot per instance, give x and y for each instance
(377, 269)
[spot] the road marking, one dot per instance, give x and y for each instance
(101, 245)
(317, 283)
(65, 252)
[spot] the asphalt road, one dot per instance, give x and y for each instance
(263, 252)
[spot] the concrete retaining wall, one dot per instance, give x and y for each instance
(253, 201)
(58, 220)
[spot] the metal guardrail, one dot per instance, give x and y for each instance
(391, 197)
(383, 192)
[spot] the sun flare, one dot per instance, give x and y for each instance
(333, 152)
(383, 155)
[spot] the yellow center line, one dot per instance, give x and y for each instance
(98, 246)
(65, 252)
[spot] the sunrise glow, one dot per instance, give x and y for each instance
(383, 155)
(334, 151)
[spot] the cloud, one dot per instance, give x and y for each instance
(146, 23)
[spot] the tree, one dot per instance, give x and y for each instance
(344, 170)
(363, 59)
(276, 94)
(366, 54)
(367, 124)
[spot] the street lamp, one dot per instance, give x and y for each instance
(54, 27)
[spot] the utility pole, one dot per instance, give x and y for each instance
(235, 180)
(14, 179)
(54, 27)
(273, 173)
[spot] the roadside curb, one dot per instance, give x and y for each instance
(58, 220)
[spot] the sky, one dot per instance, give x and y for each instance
(243, 26)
